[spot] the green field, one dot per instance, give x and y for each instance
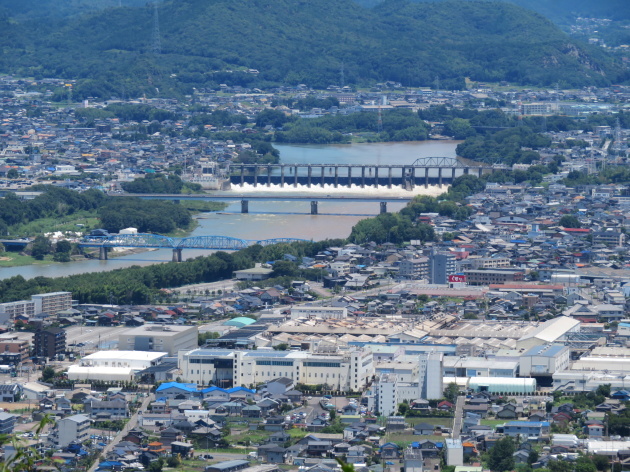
(15, 259)
(447, 422)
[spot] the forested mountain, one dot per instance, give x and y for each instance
(207, 42)
(559, 11)
(23, 9)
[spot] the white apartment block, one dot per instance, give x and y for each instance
(71, 429)
(347, 371)
(159, 338)
(51, 303)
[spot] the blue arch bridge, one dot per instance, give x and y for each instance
(156, 241)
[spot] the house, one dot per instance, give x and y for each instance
(526, 428)
(389, 450)
(181, 448)
(423, 429)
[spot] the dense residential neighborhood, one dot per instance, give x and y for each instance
(498, 342)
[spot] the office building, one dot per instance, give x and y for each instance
(49, 342)
(345, 371)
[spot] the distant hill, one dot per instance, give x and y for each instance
(207, 42)
(28, 9)
(559, 11)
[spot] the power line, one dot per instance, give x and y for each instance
(157, 42)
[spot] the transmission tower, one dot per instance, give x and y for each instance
(156, 43)
(437, 84)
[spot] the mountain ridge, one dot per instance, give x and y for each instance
(299, 41)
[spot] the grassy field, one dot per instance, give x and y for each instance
(15, 259)
(447, 422)
(190, 466)
(245, 436)
(48, 225)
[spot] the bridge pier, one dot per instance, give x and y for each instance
(466, 170)
(440, 176)
(453, 174)
(375, 176)
(295, 176)
(103, 253)
(310, 174)
(349, 176)
(426, 177)
(314, 207)
(362, 176)
(177, 254)
(244, 206)
(255, 176)
(323, 175)
(336, 176)
(383, 207)
(413, 177)
(242, 175)
(281, 176)
(268, 176)
(389, 182)
(480, 172)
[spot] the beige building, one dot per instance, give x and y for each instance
(159, 338)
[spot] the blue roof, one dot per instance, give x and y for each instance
(213, 389)
(240, 389)
(545, 350)
(181, 386)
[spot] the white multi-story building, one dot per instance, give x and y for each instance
(387, 395)
(159, 338)
(113, 365)
(74, 428)
(51, 303)
(346, 371)
(431, 374)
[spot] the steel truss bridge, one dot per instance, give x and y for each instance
(156, 241)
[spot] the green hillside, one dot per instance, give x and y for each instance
(207, 42)
(559, 11)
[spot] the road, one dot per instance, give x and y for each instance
(459, 414)
(133, 421)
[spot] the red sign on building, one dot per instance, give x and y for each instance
(456, 278)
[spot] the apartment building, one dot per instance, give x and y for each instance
(49, 342)
(417, 268)
(74, 428)
(11, 344)
(51, 303)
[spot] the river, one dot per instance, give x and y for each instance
(292, 220)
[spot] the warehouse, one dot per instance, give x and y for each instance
(114, 365)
